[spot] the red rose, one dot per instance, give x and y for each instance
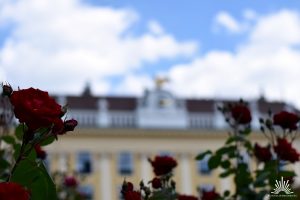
(133, 195)
(241, 114)
(163, 165)
(263, 154)
(285, 151)
(40, 153)
(210, 195)
(156, 183)
(13, 191)
(286, 120)
(70, 181)
(35, 108)
(186, 197)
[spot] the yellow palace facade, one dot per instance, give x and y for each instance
(117, 135)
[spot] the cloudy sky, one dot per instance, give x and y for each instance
(207, 49)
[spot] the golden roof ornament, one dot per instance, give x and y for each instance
(160, 81)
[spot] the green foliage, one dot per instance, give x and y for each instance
(202, 155)
(34, 176)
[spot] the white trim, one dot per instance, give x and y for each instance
(105, 178)
(186, 174)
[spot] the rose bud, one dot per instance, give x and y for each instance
(7, 90)
(69, 125)
(70, 181)
(156, 183)
(126, 187)
(40, 153)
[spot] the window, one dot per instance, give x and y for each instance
(203, 165)
(84, 162)
(206, 187)
(125, 163)
(86, 191)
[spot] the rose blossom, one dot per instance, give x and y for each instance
(133, 195)
(186, 197)
(286, 120)
(241, 114)
(263, 154)
(70, 181)
(35, 108)
(13, 191)
(285, 151)
(163, 165)
(210, 195)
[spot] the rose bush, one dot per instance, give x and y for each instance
(41, 122)
(250, 184)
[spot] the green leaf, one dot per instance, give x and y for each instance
(234, 139)
(261, 178)
(214, 161)
(227, 173)
(226, 150)
(19, 132)
(48, 141)
(202, 155)
(246, 131)
(36, 178)
(286, 173)
(17, 149)
(8, 139)
(226, 193)
(225, 164)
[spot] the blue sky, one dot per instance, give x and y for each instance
(208, 49)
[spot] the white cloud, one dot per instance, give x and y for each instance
(225, 20)
(59, 45)
(269, 60)
(134, 84)
(155, 27)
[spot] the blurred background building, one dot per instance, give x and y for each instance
(117, 135)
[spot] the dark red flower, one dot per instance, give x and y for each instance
(133, 195)
(263, 154)
(70, 181)
(241, 114)
(186, 197)
(40, 153)
(285, 151)
(210, 195)
(69, 125)
(163, 165)
(13, 191)
(286, 120)
(156, 183)
(35, 108)
(127, 186)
